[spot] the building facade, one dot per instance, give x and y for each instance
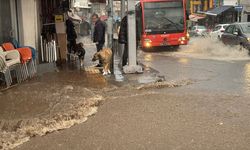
(200, 5)
(245, 15)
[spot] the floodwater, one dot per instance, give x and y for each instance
(57, 98)
(61, 97)
(209, 63)
(207, 48)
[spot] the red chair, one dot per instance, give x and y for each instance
(26, 57)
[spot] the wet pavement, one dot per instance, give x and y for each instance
(57, 98)
(193, 98)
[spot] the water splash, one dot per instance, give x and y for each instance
(207, 48)
(17, 132)
(165, 84)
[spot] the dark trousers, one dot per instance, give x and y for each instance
(99, 47)
(125, 55)
(71, 43)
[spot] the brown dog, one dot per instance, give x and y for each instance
(105, 56)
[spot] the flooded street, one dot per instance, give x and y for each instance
(192, 98)
(212, 65)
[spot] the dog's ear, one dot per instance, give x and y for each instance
(96, 56)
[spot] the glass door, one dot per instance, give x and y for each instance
(8, 20)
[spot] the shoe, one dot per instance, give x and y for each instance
(98, 65)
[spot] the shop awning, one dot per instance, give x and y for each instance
(218, 10)
(195, 17)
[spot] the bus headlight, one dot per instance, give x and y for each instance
(147, 43)
(182, 39)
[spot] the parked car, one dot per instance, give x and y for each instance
(198, 31)
(218, 30)
(237, 34)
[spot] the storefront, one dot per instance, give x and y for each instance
(27, 20)
(221, 15)
(19, 20)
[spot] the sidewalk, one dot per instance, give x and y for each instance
(57, 98)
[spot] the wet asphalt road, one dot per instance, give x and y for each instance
(213, 66)
(211, 113)
(211, 75)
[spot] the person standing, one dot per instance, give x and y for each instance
(99, 34)
(123, 39)
(71, 34)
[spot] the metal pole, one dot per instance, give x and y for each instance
(110, 30)
(110, 23)
(121, 46)
(122, 8)
(132, 63)
(238, 11)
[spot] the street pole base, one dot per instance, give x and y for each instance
(129, 69)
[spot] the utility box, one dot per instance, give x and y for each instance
(60, 24)
(62, 45)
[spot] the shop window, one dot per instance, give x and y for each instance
(248, 18)
(8, 23)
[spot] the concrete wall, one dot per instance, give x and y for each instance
(28, 22)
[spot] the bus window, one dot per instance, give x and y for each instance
(164, 17)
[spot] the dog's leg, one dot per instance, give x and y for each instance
(108, 68)
(105, 72)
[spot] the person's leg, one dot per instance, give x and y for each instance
(99, 47)
(125, 55)
(69, 47)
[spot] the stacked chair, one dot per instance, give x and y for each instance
(10, 61)
(33, 51)
(25, 66)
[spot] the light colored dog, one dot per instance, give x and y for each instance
(105, 56)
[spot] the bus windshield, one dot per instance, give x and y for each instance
(163, 17)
